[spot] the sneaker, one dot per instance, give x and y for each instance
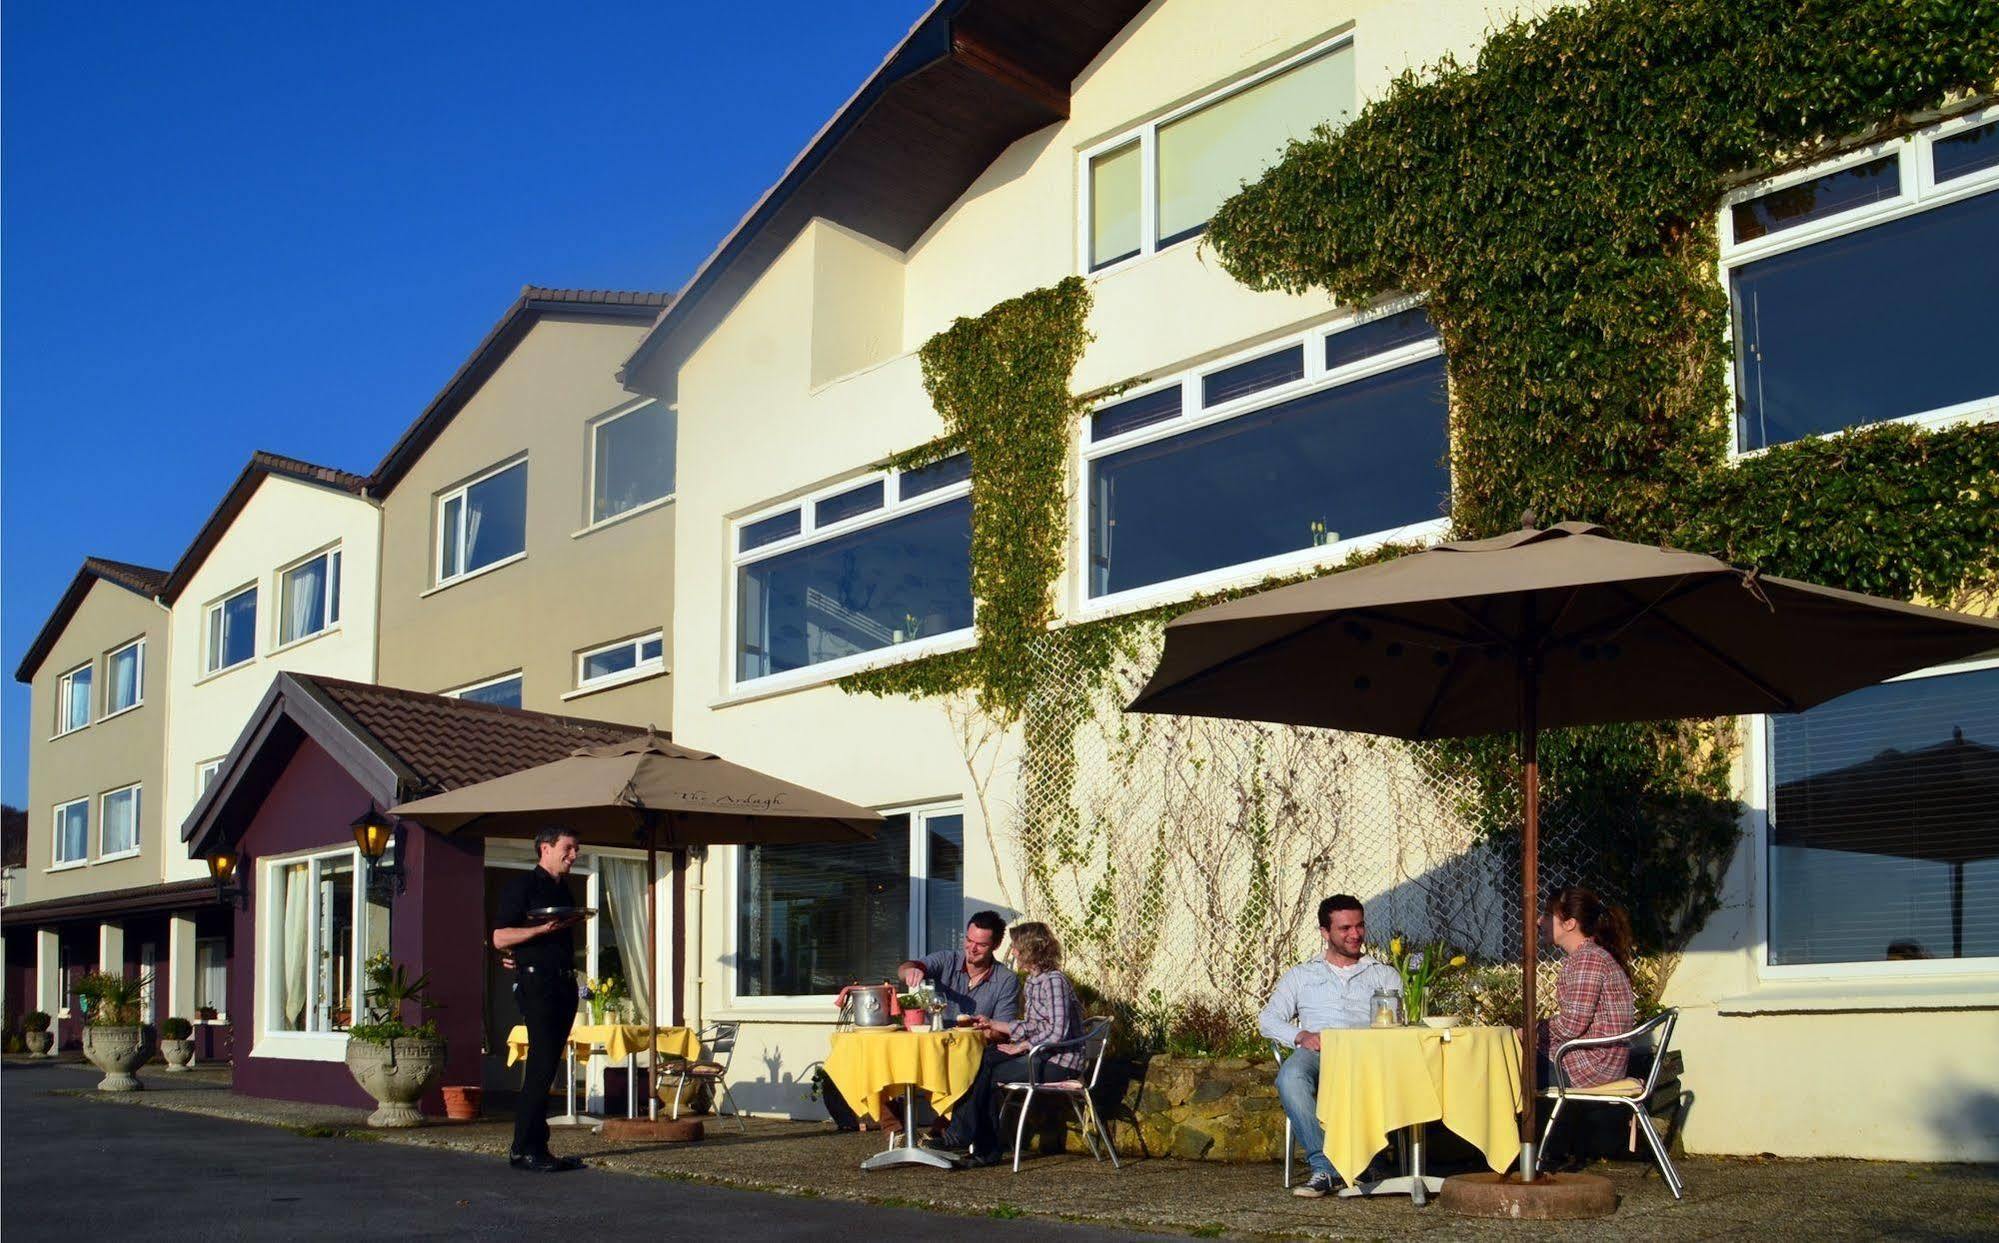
(1317, 1187)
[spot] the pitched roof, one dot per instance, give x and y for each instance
(262, 464)
(140, 580)
(396, 744)
(968, 80)
(622, 306)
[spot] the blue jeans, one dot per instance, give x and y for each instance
(1298, 1090)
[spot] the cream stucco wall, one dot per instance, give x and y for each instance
(578, 587)
(108, 754)
(284, 522)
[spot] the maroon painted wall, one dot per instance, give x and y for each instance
(434, 928)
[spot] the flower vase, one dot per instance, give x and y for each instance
(596, 1014)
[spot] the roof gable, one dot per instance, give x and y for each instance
(261, 466)
(140, 580)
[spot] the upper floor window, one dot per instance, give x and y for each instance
(309, 597)
(1884, 832)
(631, 460)
(1158, 184)
(205, 774)
(119, 823)
(854, 569)
(72, 832)
(124, 677)
(503, 691)
(232, 631)
(1860, 289)
(483, 522)
(621, 661)
(73, 699)
(1325, 442)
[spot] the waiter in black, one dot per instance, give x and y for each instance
(544, 954)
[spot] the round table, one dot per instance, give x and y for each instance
(866, 1063)
(626, 1040)
(1374, 1081)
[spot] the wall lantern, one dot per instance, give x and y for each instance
(222, 867)
(375, 834)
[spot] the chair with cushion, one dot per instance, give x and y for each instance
(1631, 1094)
(1096, 1035)
(720, 1043)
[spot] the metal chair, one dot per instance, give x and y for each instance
(1096, 1035)
(720, 1042)
(1279, 1051)
(1629, 1093)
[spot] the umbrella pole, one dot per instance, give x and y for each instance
(651, 948)
(1530, 922)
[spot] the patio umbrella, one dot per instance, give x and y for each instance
(651, 792)
(1533, 629)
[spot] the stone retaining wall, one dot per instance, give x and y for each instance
(1194, 1108)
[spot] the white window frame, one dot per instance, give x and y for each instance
(202, 770)
(56, 862)
(66, 698)
(221, 1011)
(893, 506)
(640, 670)
(138, 679)
(459, 692)
(104, 853)
(1146, 134)
(327, 1046)
(1194, 415)
(212, 614)
(591, 521)
(1920, 192)
(459, 493)
(329, 603)
(919, 875)
(1759, 771)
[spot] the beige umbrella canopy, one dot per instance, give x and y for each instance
(647, 792)
(1541, 628)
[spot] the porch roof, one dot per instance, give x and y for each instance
(175, 896)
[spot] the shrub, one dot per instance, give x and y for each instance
(176, 1029)
(1211, 1027)
(389, 990)
(35, 1021)
(112, 1000)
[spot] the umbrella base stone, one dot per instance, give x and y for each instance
(1551, 1197)
(656, 1131)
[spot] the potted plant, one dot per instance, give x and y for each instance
(113, 1038)
(393, 1061)
(207, 1014)
(35, 1029)
(604, 995)
(177, 1043)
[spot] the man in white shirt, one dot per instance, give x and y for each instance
(1335, 989)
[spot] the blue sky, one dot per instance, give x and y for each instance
(234, 227)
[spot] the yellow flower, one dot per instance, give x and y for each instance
(1395, 946)
(1459, 961)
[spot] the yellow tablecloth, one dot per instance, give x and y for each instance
(868, 1065)
(1375, 1081)
(619, 1040)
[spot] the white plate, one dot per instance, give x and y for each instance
(1440, 1020)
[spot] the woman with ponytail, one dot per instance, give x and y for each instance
(1593, 992)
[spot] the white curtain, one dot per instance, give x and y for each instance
(466, 559)
(308, 597)
(125, 678)
(624, 883)
(297, 923)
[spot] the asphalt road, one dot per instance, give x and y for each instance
(113, 1171)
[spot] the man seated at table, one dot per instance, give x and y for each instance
(1335, 989)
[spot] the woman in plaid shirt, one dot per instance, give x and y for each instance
(1593, 992)
(1050, 1012)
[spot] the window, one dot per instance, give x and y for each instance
(482, 523)
(1336, 439)
(73, 700)
(232, 631)
(125, 677)
(119, 823)
(1148, 188)
(309, 597)
(1860, 290)
(889, 573)
(623, 660)
(631, 460)
(1884, 828)
(320, 927)
(211, 975)
(205, 774)
(812, 919)
(72, 832)
(504, 691)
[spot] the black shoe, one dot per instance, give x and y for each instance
(543, 1163)
(517, 1159)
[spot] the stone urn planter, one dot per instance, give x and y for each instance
(117, 1051)
(178, 1053)
(396, 1073)
(39, 1043)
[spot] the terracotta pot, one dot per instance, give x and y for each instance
(117, 1051)
(39, 1043)
(396, 1073)
(915, 1021)
(178, 1053)
(462, 1104)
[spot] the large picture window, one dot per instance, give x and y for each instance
(1328, 443)
(119, 823)
(1884, 824)
(73, 700)
(231, 631)
(853, 572)
(1861, 291)
(320, 927)
(812, 919)
(309, 597)
(631, 460)
(1159, 183)
(72, 833)
(482, 523)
